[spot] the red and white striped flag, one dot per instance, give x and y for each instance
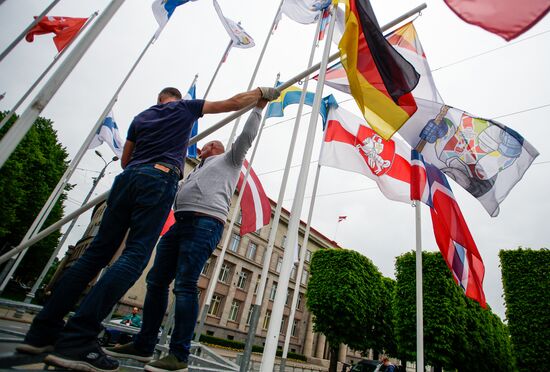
(255, 206)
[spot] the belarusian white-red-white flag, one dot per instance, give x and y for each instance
(350, 144)
(255, 206)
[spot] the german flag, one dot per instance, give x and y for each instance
(380, 79)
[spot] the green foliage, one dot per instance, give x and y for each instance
(526, 281)
(458, 333)
(384, 335)
(26, 181)
(345, 296)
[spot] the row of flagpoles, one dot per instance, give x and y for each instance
(456, 243)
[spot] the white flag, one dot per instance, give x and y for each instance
(237, 34)
(304, 11)
(108, 132)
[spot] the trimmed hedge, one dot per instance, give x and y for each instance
(238, 345)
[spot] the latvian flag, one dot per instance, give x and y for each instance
(350, 144)
(450, 229)
(255, 206)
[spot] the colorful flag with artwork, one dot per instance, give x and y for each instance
(483, 156)
(163, 10)
(381, 80)
(192, 150)
(108, 132)
(508, 19)
(237, 34)
(304, 11)
(350, 144)
(255, 205)
(64, 28)
(450, 229)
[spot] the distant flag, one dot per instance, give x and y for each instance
(342, 218)
(336, 78)
(64, 28)
(2, 96)
(450, 229)
(381, 80)
(351, 145)
(108, 133)
(163, 10)
(508, 19)
(255, 205)
(237, 34)
(169, 222)
(325, 20)
(304, 11)
(192, 150)
(291, 96)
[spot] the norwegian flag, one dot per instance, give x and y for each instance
(450, 229)
(255, 206)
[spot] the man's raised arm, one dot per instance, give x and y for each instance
(240, 100)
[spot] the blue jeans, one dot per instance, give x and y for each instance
(140, 201)
(181, 254)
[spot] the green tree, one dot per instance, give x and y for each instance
(26, 181)
(384, 336)
(526, 281)
(344, 294)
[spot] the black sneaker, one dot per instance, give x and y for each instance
(128, 351)
(90, 359)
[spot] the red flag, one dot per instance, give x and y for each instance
(169, 222)
(255, 206)
(64, 28)
(508, 19)
(451, 232)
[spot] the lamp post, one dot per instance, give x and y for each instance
(32, 292)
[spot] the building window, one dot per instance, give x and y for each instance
(206, 267)
(279, 264)
(235, 241)
(215, 305)
(249, 316)
(293, 272)
(283, 328)
(224, 273)
(283, 242)
(241, 282)
(288, 297)
(257, 285)
(251, 251)
(234, 311)
(267, 318)
(305, 275)
(299, 303)
(273, 291)
(308, 255)
(294, 331)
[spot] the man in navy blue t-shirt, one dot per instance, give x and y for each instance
(138, 205)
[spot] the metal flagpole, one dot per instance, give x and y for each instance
(257, 306)
(48, 206)
(55, 59)
(272, 338)
(26, 31)
(260, 58)
(419, 295)
(205, 133)
(30, 295)
(16, 133)
(229, 232)
(222, 60)
(301, 263)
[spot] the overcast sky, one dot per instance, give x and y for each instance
(474, 70)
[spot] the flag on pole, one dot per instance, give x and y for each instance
(64, 28)
(108, 133)
(381, 80)
(240, 38)
(192, 150)
(163, 10)
(255, 205)
(2, 96)
(508, 19)
(169, 222)
(342, 218)
(325, 20)
(304, 11)
(450, 229)
(350, 144)
(483, 156)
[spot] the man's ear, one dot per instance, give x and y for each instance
(199, 151)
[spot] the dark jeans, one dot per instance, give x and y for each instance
(140, 200)
(181, 254)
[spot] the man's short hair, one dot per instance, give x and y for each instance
(172, 92)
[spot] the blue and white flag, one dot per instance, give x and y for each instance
(192, 150)
(108, 133)
(163, 10)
